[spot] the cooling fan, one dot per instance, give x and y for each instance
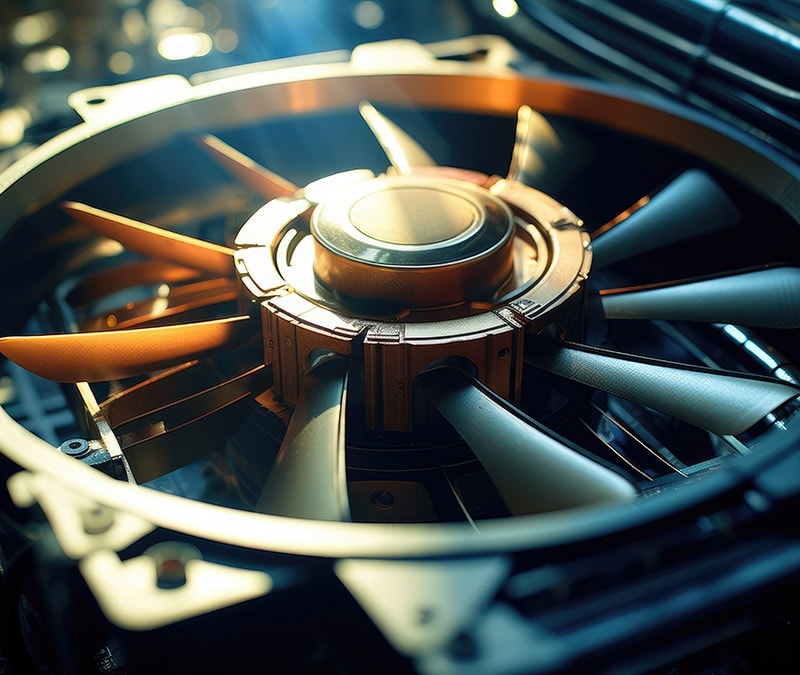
(417, 417)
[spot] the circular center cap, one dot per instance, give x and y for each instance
(414, 216)
(412, 241)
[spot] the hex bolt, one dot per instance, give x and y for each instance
(171, 558)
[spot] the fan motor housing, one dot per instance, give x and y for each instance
(404, 272)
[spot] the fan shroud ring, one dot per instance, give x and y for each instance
(111, 135)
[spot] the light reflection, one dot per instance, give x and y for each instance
(47, 60)
(368, 14)
(120, 63)
(194, 18)
(13, 122)
(212, 15)
(505, 8)
(135, 26)
(36, 28)
(176, 46)
(163, 14)
(226, 40)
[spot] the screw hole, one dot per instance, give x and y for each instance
(382, 500)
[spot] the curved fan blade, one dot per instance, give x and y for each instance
(138, 273)
(308, 477)
(175, 418)
(536, 143)
(155, 242)
(691, 205)
(112, 355)
(165, 307)
(534, 470)
(259, 179)
(723, 402)
(403, 152)
(768, 298)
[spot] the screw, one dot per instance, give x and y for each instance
(171, 558)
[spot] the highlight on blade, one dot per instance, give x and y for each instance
(128, 275)
(403, 151)
(534, 470)
(261, 180)
(768, 298)
(167, 304)
(155, 242)
(536, 143)
(723, 402)
(308, 478)
(112, 355)
(691, 205)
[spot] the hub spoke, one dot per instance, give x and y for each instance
(534, 470)
(691, 205)
(308, 477)
(723, 402)
(766, 298)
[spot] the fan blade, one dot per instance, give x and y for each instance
(140, 273)
(403, 152)
(536, 143)
(767, 298)
(308, 477)
(155, 242)
(534, 470)
(258, 178)
(691, 205)
(723, 402)
(160, 431)
(112, 355)
(165, 307)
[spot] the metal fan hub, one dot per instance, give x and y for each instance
(421, 242)
(408, 271)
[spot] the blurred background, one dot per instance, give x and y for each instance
(50, 48)
(739, 59)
